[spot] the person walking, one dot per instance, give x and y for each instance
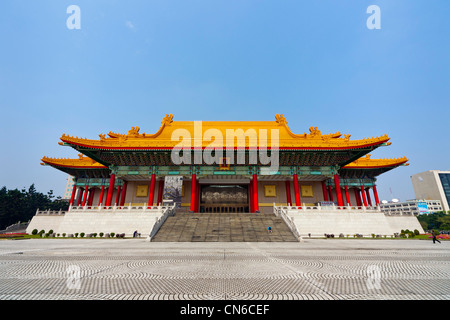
(434, 237)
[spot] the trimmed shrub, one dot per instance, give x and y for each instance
(101, 234)
(34, 232)
(82, 235)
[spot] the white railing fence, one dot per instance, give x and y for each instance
(282, 212)
(166, 209)
(129, 207)
(50, 212)
(169, 211)
(334, 208)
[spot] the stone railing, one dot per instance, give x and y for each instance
(100, 208)
(168, 211)
(115, 208)
(50, 212)
(282, 212)
(355, 209)
(331, 208)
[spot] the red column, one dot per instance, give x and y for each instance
(118, 195)
(80, 196)
(363, 196)
(100, 199)
(255, 193)
(324, 191)
(106, 196)
(91, 197)
(193, 193)
(112, 180)
(375, 193)
(124, 192)
(197, 196)
(151, 195)
(330, 192)
(72, 197)
(250, 190)
(86, 189)
(347, 196)
(297, 191)
(160, 192)
(337, 186)
(368, 197)
(288, 193)
(357, 197)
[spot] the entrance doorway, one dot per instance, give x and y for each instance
(224, 198)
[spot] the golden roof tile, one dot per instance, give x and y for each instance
(201, 133)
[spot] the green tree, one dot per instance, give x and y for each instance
(432, 219)
(444, 222)
(424, 225)
(21, 205)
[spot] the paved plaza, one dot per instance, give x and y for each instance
(317, 269)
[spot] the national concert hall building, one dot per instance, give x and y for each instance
(318, 182)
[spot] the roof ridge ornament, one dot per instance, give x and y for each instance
(280, 119)
(313, 131)
(133, 132)
(310, 140)
(167, 120)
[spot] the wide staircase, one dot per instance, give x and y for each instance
(227, 227)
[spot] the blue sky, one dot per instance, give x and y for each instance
(132, 62)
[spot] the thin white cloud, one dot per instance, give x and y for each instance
(130, 25)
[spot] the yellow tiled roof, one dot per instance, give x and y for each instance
(248, 134)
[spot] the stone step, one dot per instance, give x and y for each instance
(226, 227)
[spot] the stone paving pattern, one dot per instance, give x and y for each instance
(136, 269)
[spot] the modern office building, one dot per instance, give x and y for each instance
(414, 207)
(433, 185)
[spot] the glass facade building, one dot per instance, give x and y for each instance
(433, 185)
(445, 181)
